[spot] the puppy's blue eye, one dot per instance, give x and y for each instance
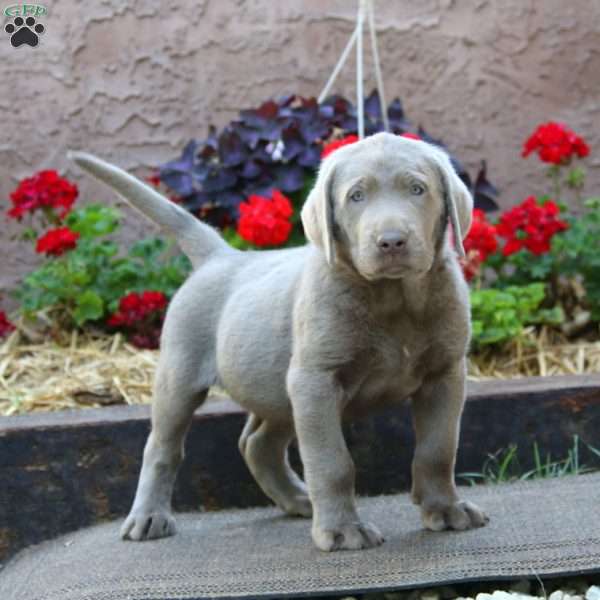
(417, 189)
(357, 196)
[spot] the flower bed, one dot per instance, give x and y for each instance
(534, 270)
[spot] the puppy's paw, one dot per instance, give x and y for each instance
(460, 516)
(148, 525)
(298, 506)
(351, 536)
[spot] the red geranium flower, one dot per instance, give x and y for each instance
(5, 325)
(57, 241)
(44, 189)
(555, 143)
(148, 341)
(481, 238)
(530, 226)
(116, 320)
(135, 307)
(335, 144)
(142, 316)
(131, 303)
(479, 244)
(153, 301)
(264, 221)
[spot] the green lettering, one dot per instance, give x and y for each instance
(16, 10)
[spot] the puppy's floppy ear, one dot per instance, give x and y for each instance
(317, 212)
(458, 200)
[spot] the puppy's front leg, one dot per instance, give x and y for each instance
(317, 401)
(437, 408)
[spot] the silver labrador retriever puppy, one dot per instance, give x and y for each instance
(374, 310)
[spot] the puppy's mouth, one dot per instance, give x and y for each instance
(391, 271)
(412, 263)
(393, 268)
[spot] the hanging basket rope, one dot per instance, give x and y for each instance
(365, 10)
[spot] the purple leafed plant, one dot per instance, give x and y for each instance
(278, 146)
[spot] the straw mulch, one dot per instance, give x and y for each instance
(91, 371)
(99, 370)
(544, 352)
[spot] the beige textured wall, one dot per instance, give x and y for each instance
(133, 81)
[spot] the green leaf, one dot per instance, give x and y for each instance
(592, 203)
(576, 178)
(499, 315)
(89, 307)
(148, 249)
(234, 239)
(93, 220)
(29, 234)
(80, 278)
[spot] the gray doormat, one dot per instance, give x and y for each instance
(542, 528)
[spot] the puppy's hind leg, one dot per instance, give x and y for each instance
(264, 446)
(176, 397)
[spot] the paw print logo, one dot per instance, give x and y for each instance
(24, 31)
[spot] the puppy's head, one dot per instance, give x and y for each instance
(383, 205)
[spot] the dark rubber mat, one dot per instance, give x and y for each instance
(542, 528)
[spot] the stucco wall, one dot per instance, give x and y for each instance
(133, 81)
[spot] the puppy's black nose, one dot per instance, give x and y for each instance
(391, 242)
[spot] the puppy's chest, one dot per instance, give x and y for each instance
(400, 356)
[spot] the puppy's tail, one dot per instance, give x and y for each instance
(196, 239)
